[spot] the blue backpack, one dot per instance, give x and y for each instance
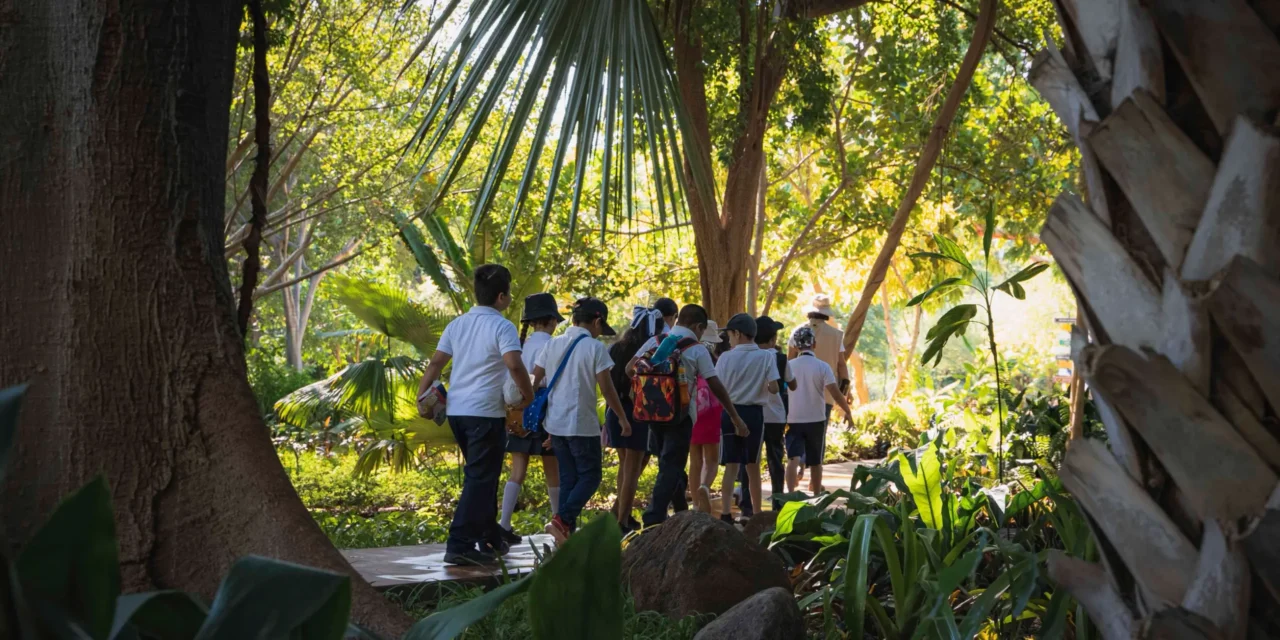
(536, 413)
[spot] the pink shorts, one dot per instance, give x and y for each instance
(707, 429)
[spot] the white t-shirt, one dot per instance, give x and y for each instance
(477, 340)
(775, 412)
(808, 400)
(571, 406)
(745, 370)
(696, 362)
(532, 347)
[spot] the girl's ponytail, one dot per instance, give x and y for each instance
(524, 331)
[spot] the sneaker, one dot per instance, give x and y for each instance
(509, 536)
(497, 549)
(469, 558)
(727, 517)
(704, 498)
(558, 530)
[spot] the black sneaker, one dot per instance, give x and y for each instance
(469, 558)
(509, 536)
(497, 549)
(727, 517)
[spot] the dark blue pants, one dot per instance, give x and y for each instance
(670, 442)
(483, 442)
(579, 459)
(774, 453)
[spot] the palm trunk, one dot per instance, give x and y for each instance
(1173, 257)
(117, 305)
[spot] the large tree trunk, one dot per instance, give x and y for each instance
(1173, 255)
(117, 305)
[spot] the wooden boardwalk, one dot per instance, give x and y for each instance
(390, 567)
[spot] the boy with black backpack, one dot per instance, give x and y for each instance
(580, 363)
(664, 374)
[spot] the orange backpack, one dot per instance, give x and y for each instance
(660, 396)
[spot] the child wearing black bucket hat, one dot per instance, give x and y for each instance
(577, 363)
(750, 374)
(541, 315)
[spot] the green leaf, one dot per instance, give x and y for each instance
(10, 403)
(265, 598)
(948, 248)
(71, 562)
(1012, 285)
(989, 231)
(797, 518)
(945, 284)
(425, 256)
(162, 615)
(855, 576)
(577, 594)
(389, 311)
(922, 472)
(593, 69)
(450, 623)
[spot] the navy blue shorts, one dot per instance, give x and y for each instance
(530, 444)
(806, 440)
(735, 449)
(639, 438)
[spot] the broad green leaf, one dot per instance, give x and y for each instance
(945, 284)
(577, 594)
(163, 615)
(265, 598)
(450, 623)
(855, 576)
(797, 518)
(10, 403)
(922, 472)
(389, 311)
(71, 562)
(1012, 285)
(989, 231)
(956, 315)
(948, 248)
(425, 256)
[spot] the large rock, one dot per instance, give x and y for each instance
(769, 615)
(695, 563)
(760, 523)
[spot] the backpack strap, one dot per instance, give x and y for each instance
(684, 343)
(563, 362)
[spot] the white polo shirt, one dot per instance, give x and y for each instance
(808, 400)
(477, 340)
(745, 370)
(775, 412)
(696, 362)
(532, 347)
(571, 406)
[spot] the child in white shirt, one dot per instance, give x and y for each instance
(750, 375)
(573, 365)
(807, 414)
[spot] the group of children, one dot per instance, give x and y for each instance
(736, 395)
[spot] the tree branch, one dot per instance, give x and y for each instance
(810, 9)
(345, 256)
(928, 157)
(261, 172)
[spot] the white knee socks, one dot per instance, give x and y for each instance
(554, 494)
(510, 493)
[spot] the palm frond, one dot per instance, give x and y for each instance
(598, 68)
(425, 256)
(389, 311)
(371, 389)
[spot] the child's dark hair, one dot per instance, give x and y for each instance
(722, 346)
(583, 315)
(766, 333)
(692, 314)
(491, 281)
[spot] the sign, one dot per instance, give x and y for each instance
(1062, 350)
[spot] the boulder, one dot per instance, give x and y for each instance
(769, 615)
(694, 563)
(758, 524)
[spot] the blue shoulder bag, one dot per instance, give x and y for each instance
(536, 413)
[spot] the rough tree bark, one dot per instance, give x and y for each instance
(723, 226)
(117, 306)
(924, 167)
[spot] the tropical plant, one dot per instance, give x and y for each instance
(955, 321)
(923, 550)
(65, 582)
(376, 397)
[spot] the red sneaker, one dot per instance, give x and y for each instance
(558, 530)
